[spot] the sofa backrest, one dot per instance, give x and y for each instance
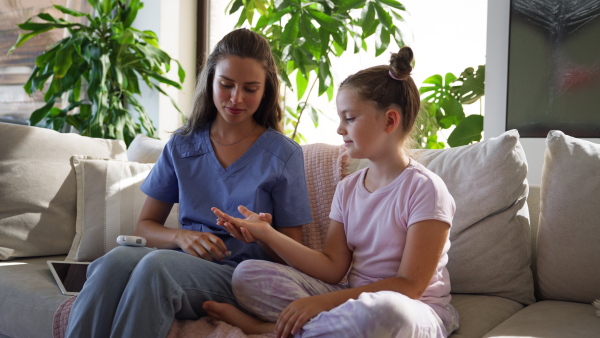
(38, 189)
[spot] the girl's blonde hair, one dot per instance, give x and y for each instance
(242, 43)
(387, 85)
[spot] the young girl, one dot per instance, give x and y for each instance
(389, 230)
(230, 152)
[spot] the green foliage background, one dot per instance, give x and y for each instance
(305, 34)
(98, 68)
(442, 101)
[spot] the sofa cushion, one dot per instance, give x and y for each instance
(479, 314)
(38, 199)
(109, 202)
(490, 235)
(568, 247)
(145, 149)
(29, 297)
(551, 319)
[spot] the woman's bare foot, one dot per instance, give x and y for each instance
(232, 315)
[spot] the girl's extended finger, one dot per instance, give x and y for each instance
(220, 214)
(245, 211)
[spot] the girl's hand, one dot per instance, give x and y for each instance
(240, 235)
(295, 315)
(201, 244)
(243, 236)
(246, 230)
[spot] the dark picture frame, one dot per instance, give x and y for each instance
(554, 68)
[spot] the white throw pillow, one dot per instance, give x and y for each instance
(490, 249)
(109, 202)
(145, 149)
(38, 194)
(490, 236)
(568, 243)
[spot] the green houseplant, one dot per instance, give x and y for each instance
(305, 34)
(442, 104)
(97, 69)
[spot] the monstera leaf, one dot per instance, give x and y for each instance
(467, 131)
(472, 87)
(444, 98)
(437, 88)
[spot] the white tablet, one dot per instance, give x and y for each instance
(70, 276)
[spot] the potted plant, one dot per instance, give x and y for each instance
(97, 70)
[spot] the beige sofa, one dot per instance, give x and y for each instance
(66, 196)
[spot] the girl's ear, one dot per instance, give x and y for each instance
(392, 120)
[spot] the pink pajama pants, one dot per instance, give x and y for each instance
(266, 288)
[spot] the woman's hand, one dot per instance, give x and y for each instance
(246, 230)
(295, 315)
(201, 244)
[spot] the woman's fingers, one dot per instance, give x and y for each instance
(198, 250)
(205, 245)
(234, 231)
(222, 248)
(211, 251)
(247, 235)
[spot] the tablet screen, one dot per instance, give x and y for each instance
(70, 276)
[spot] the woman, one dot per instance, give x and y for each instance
(229, 153)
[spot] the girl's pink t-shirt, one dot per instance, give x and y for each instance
(376, 224)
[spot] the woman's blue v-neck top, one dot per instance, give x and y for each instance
(268, 178)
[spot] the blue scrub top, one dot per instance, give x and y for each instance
(268, 178)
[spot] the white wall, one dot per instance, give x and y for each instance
(174, 21)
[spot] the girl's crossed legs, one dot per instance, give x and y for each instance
(266, 288)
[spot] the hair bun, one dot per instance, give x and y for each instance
(401, 62)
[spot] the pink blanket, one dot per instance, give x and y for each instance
(325, 166)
